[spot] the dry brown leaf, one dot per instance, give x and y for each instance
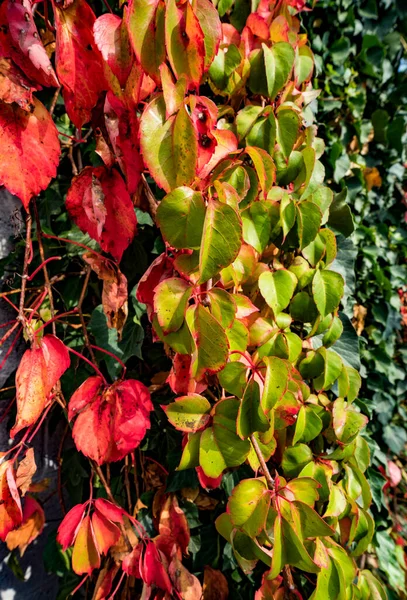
(215, 585)
(25, 471)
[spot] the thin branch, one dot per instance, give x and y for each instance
(82, 319)
(27, 255)
(264, 468)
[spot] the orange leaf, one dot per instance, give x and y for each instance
(106, 533)
(29, 150)
(85, 556)
(31, 527)
(10, 505)
(38, 372)
(31, 384)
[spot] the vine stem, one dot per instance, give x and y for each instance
(44, 263)
(89, 363)
(27, 255)
(264, 468)
(80, 312)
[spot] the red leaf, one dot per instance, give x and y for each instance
(113, 424)
(78, 59)
(109, 510)
(123, 129)
(25, 38)
(69, 527)
(204, 115)
(38, 372)
(91, 432)
(85, 394)
(105, 532)
(226, 143)
(29, 150)
(153, 571)
(161, 268)
(112, 39)
(179, 379)
(114, 295)
(119, 226)
(131, 564)
(85, 556)
(208, 483)
(14, 86)
(31, 527)
(10, 505)
(173, 523)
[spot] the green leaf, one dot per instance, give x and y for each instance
(251, 417)
(288, 125)
(233, 378)
(211, 344)
(248, 506)
(223, 306)
(220, 446)
(337, 502)
(276, 381)
(169, 146)
(246, 118)
(289, 549)
(349, 383)
(180, 216)
(190, 452)
(347, 422)
(330, 584)
(302, 308)
(304, 64)
(146, 32)
(308, 521)
(327, 289)
(332, 369)
(277, 288)
(309, 218)
(314, 173)
(340, 215)
(180, 341)
(263, 133)
(256, 220)
(308, 424)
(279, 61)
(221, 239)
(170, 303)
(295, 458)
(188, 413)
